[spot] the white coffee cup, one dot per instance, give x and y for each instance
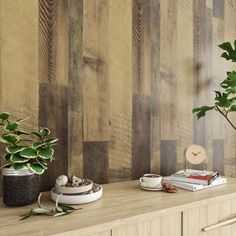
(151, 180)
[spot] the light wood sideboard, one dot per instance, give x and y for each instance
(126, 210)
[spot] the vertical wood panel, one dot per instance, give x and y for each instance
(184, 75)
(120, 76)
(168, 157)
(53, 81)
(155, 86)
(168, 69)
(218, 156)
(96, 161)
(96, 80)
(218, 9)
(75, 88)
(141, 115)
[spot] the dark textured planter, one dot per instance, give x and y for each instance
(20, 187)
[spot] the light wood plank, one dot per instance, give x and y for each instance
(96, 71)
(120, 74)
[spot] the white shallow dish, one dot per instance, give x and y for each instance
(74, 190)
(75, 199)
(158, 188)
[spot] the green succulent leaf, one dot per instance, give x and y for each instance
(4, 115)
(15, 158)
(201, 111)
(19, 166)
(51, 140)
(29, 153)
(11, 126)
(230, 52)
(46, 153)
(38, 144)
(6, 165)
(44, 131)
(19, 132)
(36, 168)
(10, 138)
(14, 149)
(36, 133)
(7, 156)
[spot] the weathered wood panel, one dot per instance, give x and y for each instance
(120, 85)
(116, 81)
(53, 81)
(75, 88)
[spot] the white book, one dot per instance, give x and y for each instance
(194, 187)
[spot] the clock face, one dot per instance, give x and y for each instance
(195, 154)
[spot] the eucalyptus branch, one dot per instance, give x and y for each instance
(225, 116)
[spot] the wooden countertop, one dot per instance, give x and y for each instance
(120, 202)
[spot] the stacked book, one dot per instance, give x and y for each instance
(194, 180)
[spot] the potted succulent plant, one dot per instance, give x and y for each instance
(225, 101)
(26, 155)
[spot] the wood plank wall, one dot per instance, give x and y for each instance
(116, 81)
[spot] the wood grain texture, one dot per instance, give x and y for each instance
(120, 86)
(218, 153)
(124, 205)
(168, 157)
(53, 81)
(54, 109)
(141, 111)
(75, 88)
(96, 161)
(96, 80)
(119, 77)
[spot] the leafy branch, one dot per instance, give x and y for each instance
(59, 210)
(225, 102)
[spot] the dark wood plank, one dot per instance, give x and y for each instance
(199, 74)
(218, 155)
(53, 108)
(141, 140)
(218, 9)
(155, 85)
(168, 157)
(75, 88)
(96, 161)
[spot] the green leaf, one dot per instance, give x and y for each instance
(7, 156)
(51, 140)
(201, 111)
(4, 115)
(36, 168)
(46, 153)
(44, 131)
(230, 52)
(232, 108)
(6, 165)
(66, 208)
(10, 138)
(40, 211)
(19, 166)
(14, 149)
(19, 132)
(11, 126)
(222, 99)
(15, 158)
(29, 153)
(38, 144)
(36, 133)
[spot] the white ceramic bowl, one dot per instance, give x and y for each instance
(77, 198)
(74, 190)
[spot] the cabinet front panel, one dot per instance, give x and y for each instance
(162, 226)
(217, 215)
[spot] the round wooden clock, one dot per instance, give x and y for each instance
(195, 154)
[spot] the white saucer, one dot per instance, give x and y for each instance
(158, 188)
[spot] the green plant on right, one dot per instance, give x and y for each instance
(225, 100)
